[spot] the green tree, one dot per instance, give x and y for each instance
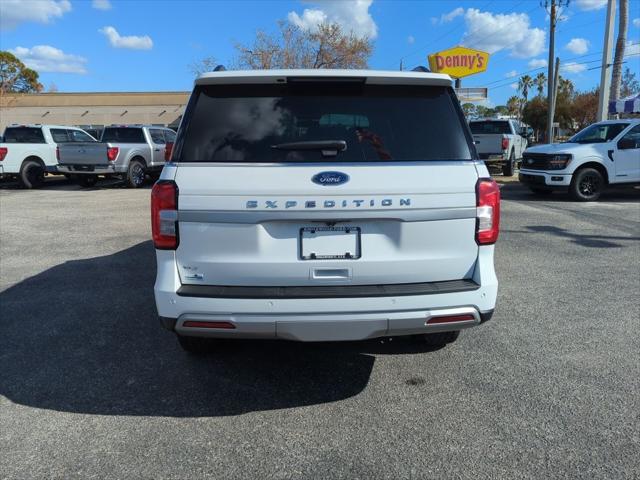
(513, 105)
(630, 84)
(326, 46)
(524, 85)
(15, 77)
(540, 82)
(469, 109)
(584, 108)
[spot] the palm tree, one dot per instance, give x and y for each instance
(565, 86)
(513, 104)
(524, 84)
(540, 82)
(616, 75)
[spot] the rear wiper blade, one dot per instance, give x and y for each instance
(328, 148)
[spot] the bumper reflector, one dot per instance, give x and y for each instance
(450, 318)
(197, 324)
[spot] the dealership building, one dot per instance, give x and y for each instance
(93, 110)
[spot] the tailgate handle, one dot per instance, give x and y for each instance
(331, 274)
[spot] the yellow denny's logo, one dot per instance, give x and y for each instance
(459, 62)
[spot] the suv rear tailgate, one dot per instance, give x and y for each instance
(418, 225)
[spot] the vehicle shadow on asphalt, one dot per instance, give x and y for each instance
(84, 337)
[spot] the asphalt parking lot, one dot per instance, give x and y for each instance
(91, 386)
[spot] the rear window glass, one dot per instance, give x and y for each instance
(123, 135)
(23, 135)
(490, 127)
(377, 123)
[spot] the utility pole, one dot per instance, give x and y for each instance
(556, 80)
(553, 6)
(605, 72)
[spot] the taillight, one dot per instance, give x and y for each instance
(505, 143)
(164, 215)
(3, 153)
(450, 318)
(168, 150)
(112, 153)
(487, 211)
(57, 153)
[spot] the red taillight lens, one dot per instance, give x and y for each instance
(198, 324)
(451, 318)
(168, 150)
(487, 211)
(3, 153)
(164, 215)
(57, 153)
(505, 143)
(112, 153)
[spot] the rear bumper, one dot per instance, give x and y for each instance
(90, 169)
(323, 319)
(493, 157)
(538, 178)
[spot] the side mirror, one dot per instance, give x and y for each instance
(627, 144)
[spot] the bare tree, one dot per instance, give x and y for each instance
(327, 46)
(207, 64)
(616, 75)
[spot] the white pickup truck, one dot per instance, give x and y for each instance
(605, 153)
(324, 205)
(29, 152)
(499, 141)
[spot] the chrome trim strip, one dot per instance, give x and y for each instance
(257, 216)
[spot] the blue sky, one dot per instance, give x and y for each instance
(132, 45)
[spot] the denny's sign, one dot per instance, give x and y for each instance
(459, 62)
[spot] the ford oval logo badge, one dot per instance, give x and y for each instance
(330, 178)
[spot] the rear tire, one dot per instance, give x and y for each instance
(135, 174)
(87, 181)
(509, 168)
(195, 345)
(31, 174)
(439, 340)
(587, 185)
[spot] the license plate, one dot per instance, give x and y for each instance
(329, 243)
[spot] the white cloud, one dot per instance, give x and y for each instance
(492, 33)
(591, 4)
(573, 67)
(411, 40)
(14, 12)
(578, 46)
(632, 48)
(101, 4)
(538, 63)
(514, 86)
(351, 15)
(132, 41)
(636, 22)
(45, 58)
(511, 74)
(448, 17)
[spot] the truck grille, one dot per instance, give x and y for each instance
(535, 161)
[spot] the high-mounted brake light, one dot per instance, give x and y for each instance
(164, 215)
(505, 143)
(487, 211)
(112, 153)
(3, 153)
(168, 150)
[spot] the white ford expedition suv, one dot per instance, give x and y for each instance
(323, 205)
